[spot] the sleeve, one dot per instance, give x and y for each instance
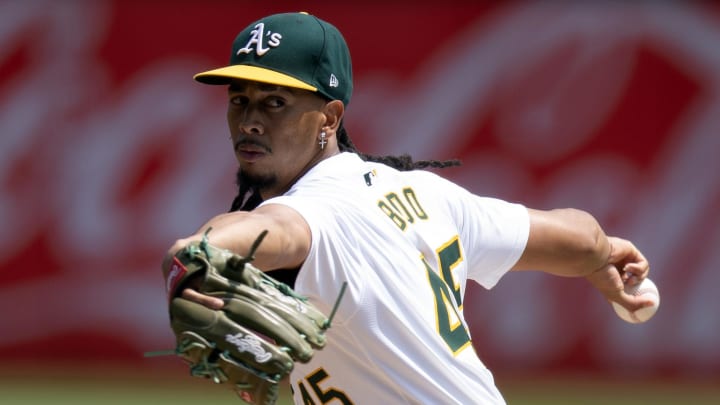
(494, 233)
(321, 274)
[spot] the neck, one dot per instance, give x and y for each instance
(323, 154)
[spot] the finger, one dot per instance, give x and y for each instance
(206, 300)
(635, 273)
(634, 302)
(638, 269)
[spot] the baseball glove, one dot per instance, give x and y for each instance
(254, 340)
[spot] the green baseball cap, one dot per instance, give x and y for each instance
(292, 50)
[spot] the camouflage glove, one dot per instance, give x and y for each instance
(254, 340)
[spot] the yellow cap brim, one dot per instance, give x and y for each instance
(226, 74)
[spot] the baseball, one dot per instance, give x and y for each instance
(646, 289)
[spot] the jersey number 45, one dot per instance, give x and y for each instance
(447, 319)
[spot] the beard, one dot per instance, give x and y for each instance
(257, 182)
(249, 187)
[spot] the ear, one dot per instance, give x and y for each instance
(334, 112)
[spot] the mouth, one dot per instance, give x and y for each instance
(250, 151)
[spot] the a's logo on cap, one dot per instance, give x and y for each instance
(256, 41)
(333, 81)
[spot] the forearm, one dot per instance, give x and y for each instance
(285, 245)
(564, 242)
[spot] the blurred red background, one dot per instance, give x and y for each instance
(109, 151)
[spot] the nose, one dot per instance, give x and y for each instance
(250, 123)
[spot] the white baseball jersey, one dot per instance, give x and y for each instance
(405, 243)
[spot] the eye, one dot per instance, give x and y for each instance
(238, 100)
(274, 102)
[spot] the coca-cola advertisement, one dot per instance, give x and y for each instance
(110, 151)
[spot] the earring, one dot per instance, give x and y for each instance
(322, 141)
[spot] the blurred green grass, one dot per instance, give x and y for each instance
(602, 390)
(170, 385)
(93, 384)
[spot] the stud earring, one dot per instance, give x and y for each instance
(322, 141)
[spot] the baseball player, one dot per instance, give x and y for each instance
(403, 241)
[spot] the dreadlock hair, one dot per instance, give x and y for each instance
(402, 162)
(248, 197)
